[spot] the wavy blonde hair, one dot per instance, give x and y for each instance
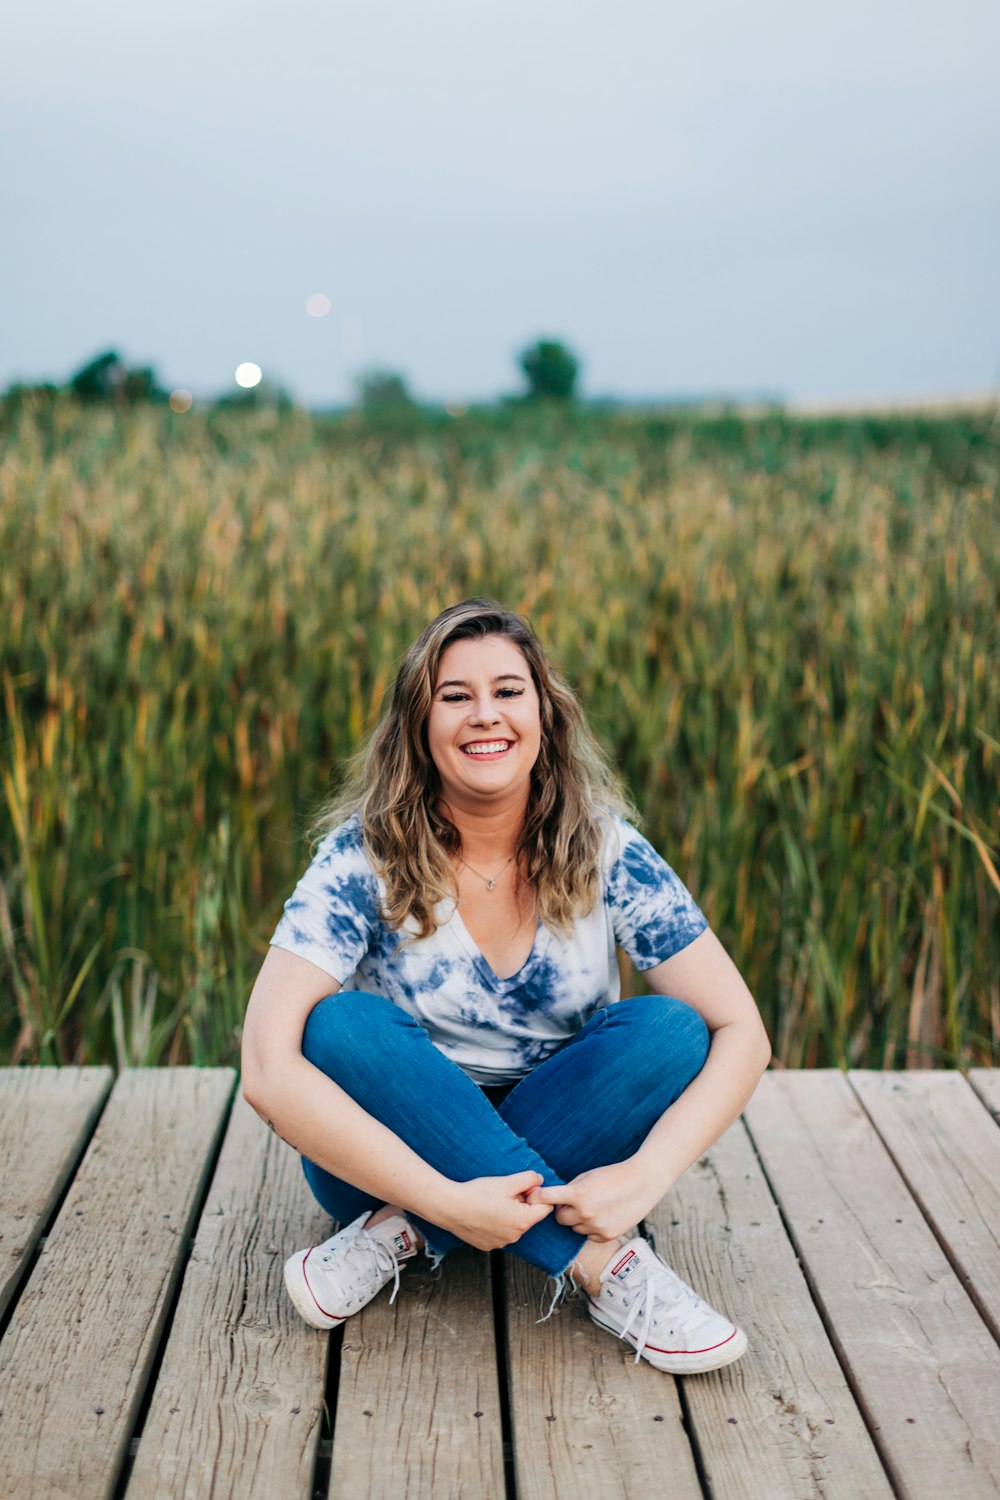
(395, 788)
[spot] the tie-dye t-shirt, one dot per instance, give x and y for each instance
(495, 1029)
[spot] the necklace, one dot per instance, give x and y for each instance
(490, 880)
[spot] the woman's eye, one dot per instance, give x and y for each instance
(463, 697)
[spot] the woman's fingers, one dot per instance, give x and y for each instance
(494, 1211)
(600, 1203)
(563, 1192)
(565, 1198)
(562, 1197)
(573, 1216)
(522, 1183)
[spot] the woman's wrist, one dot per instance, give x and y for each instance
(652, 1173)
(433, 1196)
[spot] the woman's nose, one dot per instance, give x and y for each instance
(484, 711)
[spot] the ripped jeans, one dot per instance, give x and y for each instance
(590, 1104)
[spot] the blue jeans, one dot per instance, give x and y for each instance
(591, 1104)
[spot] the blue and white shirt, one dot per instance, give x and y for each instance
(496, 1030)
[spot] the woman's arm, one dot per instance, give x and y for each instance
(608, 1200)
(319, 1119)
(705, 977)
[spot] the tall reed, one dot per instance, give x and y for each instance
(784, 630)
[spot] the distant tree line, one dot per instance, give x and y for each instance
(549, 367)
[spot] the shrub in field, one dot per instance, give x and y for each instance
(550, 369)
(381, 390)
(108, 378)
(784, 630)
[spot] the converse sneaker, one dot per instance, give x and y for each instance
(333, 1280)
(643, 1300)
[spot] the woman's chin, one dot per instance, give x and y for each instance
(493, 780)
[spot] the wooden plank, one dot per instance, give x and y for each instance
(76, 1355)
(986, 1082)
(418, 1405)
(781, 1422)
(46, 1115)
(922, 1362)
(238, 1403)
(587, 1420)
(948, 1150)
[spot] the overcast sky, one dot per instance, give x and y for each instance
(719, 197)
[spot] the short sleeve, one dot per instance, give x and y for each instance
(652, 911)
(332, 916)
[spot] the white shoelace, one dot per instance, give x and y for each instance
(355, 1254)
(661, 1279)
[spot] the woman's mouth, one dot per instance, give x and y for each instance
(483, 749)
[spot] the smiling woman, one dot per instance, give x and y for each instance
(484, 727)
(438, 1026)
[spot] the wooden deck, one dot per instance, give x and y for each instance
(850, 1223)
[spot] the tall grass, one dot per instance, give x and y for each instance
(785, 631)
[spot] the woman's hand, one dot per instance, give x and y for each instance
(491, 1212)
(606, 1201)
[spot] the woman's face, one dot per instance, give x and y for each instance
(484, 727)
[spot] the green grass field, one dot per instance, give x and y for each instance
(785, 631)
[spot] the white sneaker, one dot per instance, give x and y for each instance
(331, 1281)
(643, 1300)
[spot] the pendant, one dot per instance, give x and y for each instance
(491, 883)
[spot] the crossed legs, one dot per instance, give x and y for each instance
(589, 1105)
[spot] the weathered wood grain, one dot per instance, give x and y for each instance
(75, 1358)
(46, 1115)
(587, 1420)
(922, 1362)
(238, 1404)
(781, 1422)
(418, 1405)
(948, 1150)
(986, 1082)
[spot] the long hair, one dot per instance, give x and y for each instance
(395, 788)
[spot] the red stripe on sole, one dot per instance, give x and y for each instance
(656, 1348)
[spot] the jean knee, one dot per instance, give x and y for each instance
(340, 1022)
(672, 1033)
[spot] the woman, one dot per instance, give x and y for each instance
(436, 1026)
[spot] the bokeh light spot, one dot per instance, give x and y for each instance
(180, 400)
(248, 375)
(318, 304)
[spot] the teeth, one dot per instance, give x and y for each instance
(488, 747)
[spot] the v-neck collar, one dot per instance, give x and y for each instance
(483, 967)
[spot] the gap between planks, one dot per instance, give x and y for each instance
(920, 1359)
(239, 1396)
(947, 1149)
(47, 1116)
(84, 1334)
